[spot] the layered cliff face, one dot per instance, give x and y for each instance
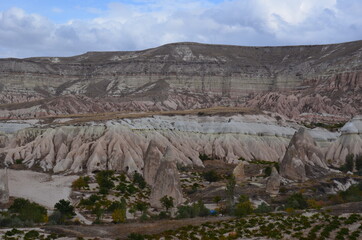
(137, 144)
(288, 80)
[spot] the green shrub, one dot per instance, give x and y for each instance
(27, 210)
(167, 202)
(195, 210)
(135, 236)
(204, 157)
(19, 161)
(296, 201)
(211, 176)
(243, 207)
(267, 171)
(348, 166)
(263, 208)
(81, 183)
(65, 208)
(104, 181)
(352, 194)
(32, 234)
(139, 180)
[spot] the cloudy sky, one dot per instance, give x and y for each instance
(70, 27)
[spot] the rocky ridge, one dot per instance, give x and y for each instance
(296, 81)
(129, 144)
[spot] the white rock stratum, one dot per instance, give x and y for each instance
(123, 144)
(350, 142)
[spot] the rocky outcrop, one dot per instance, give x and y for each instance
(239, 172)
(273, 182)
(167, 181)
(350, 142)
(152, 162)
(301, 79)
(4, 187)
(124, 145)
(303, 159)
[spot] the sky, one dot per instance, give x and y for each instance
(30, 28)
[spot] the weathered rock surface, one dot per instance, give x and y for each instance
(125, 144)
(350, 142)
(273, 182)
(291, 80)
(239, 172)
(4, 187)
(152, 162)
(303, 159)
(167, 181)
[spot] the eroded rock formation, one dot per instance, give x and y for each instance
(4, 187)
(273, 182)
(152, 162)
(167, 181)
(122, 145)
(303, 159)
(239, 172)
(350, 142)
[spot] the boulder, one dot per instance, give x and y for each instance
(273, 182)
(167, 181)
(4, 187)
(303, 159)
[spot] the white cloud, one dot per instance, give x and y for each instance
(151, 23)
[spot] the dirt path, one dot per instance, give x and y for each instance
(121, 231)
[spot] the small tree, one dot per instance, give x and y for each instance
(230, 190)
(64, 211)
(119, 215)
(167, 202)
(139, 180)
(65, 208)
(104, 181)
(211, 176)
(27, 210)
(359, 164)
(243, 207)
(81, 183)
(297, 201)
(141, 206)
(348, 166)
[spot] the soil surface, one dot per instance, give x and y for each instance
(121, 231)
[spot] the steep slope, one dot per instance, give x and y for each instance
(289, 80)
